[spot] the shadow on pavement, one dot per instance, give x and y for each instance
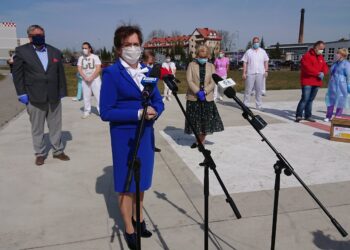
(322, 135)
(93, 110)
(104, 186)
(162, 196)
(326, 242)
(65, 137)
(178, 135)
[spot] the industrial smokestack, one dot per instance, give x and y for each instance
(301, 28)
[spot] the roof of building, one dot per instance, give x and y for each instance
(209, 33)
(165, 41)
(299, 45)
(169, 41)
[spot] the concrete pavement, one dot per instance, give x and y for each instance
(9, 106)
(71, 205)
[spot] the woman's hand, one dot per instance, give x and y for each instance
(151, 113)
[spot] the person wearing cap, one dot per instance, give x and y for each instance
(338, 85)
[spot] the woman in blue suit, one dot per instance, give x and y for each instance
(121, 105)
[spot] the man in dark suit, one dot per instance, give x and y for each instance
(40, 83)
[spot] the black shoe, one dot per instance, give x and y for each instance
(194, 145)
(298, 119)
(157, 150)
(144, 232)
(131, 240)
(310, 119)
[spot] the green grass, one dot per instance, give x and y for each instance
(2, 77)
(276, 80)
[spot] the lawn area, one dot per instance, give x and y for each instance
(276, 80)
(2, 77)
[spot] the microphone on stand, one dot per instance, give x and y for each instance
(227, 84)
(171, 82)
(150, 81)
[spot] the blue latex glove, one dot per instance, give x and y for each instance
(201, 95)
(321, 75)
(23, 99)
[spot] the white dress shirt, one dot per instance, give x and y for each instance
(255, 59)
(136, 74)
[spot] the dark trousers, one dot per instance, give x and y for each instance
(308, 94)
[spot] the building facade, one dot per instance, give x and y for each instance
(199, 36)
(294, 52)
(9, 40)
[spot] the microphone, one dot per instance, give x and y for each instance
(150, 81)
(256, 121)
(171, 82)
(226, 84)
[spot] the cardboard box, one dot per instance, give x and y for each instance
(340, 129)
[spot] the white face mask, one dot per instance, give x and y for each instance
(85, 52)
(221, 55)
(131, 54)
(168, 60)
(319, 52)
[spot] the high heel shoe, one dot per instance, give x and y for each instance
(144, 232)
(131, 240)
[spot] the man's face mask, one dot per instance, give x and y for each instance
(38, 40)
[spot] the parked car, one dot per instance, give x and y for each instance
(274, 66)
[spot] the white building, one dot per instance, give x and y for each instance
(8, 39)
(294, 52)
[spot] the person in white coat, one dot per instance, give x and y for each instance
(89, 67)
(255, 69)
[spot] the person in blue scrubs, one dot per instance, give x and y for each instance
(121, 105)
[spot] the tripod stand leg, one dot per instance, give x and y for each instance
(206, 207)
(275, 204)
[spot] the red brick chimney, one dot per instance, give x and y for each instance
(301, 28)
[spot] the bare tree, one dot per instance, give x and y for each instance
(156, 33)
(227, 40)
(175, 33)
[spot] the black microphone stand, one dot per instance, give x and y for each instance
(208, 163)
(281, 164)
(135, 165)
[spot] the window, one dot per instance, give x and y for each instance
(330, 57)
(331, 50)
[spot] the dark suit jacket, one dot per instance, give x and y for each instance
(30, 77)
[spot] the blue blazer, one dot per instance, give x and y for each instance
(120, 98)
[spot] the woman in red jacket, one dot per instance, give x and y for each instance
(313, 70)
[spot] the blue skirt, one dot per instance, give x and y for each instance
(123, 145)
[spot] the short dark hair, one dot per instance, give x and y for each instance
(147, 54)
(318, 43)
(89, 45)
(167, 55)
(123, 32)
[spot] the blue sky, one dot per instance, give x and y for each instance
(70, 22)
